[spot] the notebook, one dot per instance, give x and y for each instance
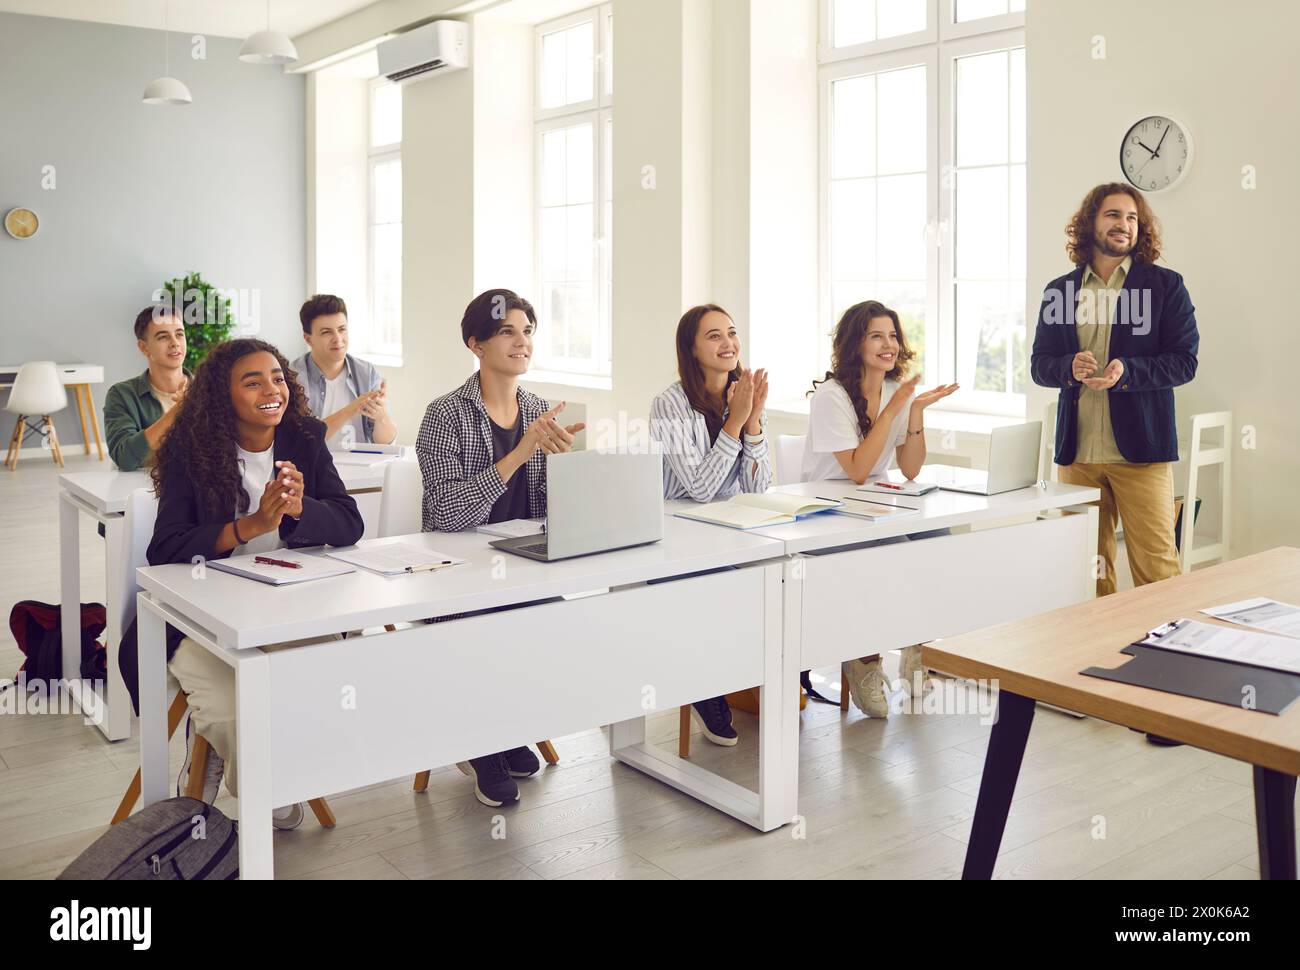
(395, 558)
(310, 567)
(751, 511)
(514, 528)
(887, 485)
(864, 508)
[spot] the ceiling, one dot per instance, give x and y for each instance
(218, 18)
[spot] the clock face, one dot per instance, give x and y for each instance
(1156, 153)
(21, 223)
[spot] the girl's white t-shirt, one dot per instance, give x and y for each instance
(833, 426)
(256, 469)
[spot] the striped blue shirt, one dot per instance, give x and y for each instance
(696, 469)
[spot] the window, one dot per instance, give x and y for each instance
(923, 195)
(574, 199)
(381, 336)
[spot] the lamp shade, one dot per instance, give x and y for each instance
(268, 47)
(166, 90)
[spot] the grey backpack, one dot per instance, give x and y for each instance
(180, 838)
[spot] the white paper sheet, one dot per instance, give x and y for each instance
(1260, 613)
(1206, 640)
(394, 558)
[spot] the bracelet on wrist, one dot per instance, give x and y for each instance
(239, 540)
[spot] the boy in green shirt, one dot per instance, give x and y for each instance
(139, 411)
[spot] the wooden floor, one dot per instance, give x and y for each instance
(878, 798)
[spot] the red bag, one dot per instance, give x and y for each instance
(37, 629)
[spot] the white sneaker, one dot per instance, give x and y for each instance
(289, 817)
(910, 668)
(211, 777)
(868, 687)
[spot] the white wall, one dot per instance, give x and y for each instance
(1230, 74)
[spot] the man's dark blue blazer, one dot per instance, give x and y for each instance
(1156, 340)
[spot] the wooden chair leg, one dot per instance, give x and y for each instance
(421, 782)
(54, 440)
(844, 690)
(15, 444)
(174, 715)
(323, 813)
(548, 752)
(684, 731)
(198, 768)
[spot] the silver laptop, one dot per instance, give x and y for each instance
(1013, 463)
(594, 503)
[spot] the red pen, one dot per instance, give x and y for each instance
(277, 562)
(896, 488)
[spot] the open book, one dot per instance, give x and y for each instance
(751, 511)
(308, 567)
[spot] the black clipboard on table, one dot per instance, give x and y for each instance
(1205, 678)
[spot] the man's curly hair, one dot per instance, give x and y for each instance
(202, 440)
(1080, 232)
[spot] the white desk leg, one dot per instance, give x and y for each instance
(624, 734)
(70, 586)
(792, 664)
(253, 736)
(152, 633)
(777, 693)
(116, 716)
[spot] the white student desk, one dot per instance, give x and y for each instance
(840, 603)
(329, 717)
(102, 496)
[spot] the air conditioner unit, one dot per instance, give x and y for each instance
(435, 48)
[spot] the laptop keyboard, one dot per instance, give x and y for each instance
(538, 547)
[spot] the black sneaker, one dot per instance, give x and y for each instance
(493, 785)
(521, 762)
(714, 718)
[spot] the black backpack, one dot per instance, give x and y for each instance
(37, 628)
(175, 839)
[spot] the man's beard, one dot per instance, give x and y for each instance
(1104, 243)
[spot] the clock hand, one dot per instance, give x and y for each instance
(1151, 150)
(1161, 142)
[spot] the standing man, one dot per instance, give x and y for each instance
(139, 411)
(1117, 335)
(343, 391)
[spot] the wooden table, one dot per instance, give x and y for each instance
(1039, 659)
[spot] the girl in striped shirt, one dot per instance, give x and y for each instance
(710, 427)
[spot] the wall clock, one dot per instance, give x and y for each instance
(1156, 153)
(21, 223)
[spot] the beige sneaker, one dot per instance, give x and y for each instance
(911, 667)
(867, 687)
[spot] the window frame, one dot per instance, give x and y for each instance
(595, 371)
(937, 49)
(383, 353)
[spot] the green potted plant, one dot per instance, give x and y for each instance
(205, 312)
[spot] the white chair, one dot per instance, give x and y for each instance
(1207, 456)
(789, 457)
(1047, 470)
(141, 512)
(399, 503)
(37, 392)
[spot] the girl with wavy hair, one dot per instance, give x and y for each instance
(244, 469)
(863, 414)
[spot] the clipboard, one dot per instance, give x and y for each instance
(1205, 678)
